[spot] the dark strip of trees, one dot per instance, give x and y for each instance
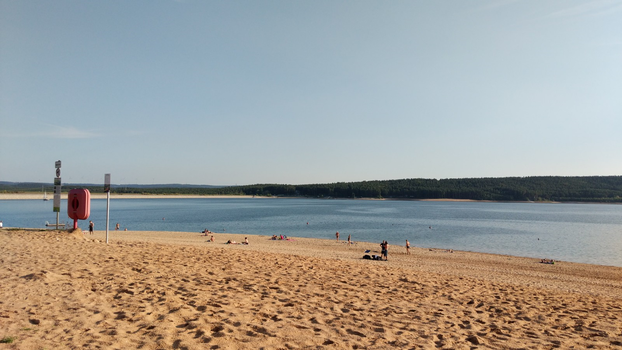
(554, 188)
(606, 189)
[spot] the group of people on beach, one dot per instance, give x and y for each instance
(92, 227)
(211, 238)
(349, 238)
(384, 249)
(234, 242)
(208, 233)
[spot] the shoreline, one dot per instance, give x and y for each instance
(138, 235)
(151, 290)
(39, 196)
(329, 248)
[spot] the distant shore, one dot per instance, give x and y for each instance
(39, 196)
(30, 196)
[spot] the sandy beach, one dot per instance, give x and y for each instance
(176, 290)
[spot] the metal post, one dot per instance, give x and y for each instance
(57, 221)
(107, 213)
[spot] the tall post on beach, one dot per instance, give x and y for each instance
(107, 190)
(57, 186)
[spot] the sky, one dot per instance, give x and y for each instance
(301, 92)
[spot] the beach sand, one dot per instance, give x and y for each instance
(175, 290)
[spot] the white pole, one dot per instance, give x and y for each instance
(107, 213)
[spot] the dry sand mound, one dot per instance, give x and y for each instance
(65, 294)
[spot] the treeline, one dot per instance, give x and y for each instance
(550, 188)
(554, 188)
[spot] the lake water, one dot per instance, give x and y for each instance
(586, 233)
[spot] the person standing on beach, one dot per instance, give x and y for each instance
(349, 240)
(91, 227)
(384, 250)
(407, 247)
(337, 236)
(381, 250)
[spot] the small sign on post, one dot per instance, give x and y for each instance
(107, 190)
(106, 182)
(57, 196)
(57, 190)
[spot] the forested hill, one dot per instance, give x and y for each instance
(554, 188)
(551, 188)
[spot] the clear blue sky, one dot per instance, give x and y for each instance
(244, 92)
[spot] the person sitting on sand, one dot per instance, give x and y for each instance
(245, 241)
(274, 237)
(211, 238)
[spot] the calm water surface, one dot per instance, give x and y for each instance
(587, 233)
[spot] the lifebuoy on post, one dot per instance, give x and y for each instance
(79, 205)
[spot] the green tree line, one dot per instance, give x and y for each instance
(553, 188)
(537, 188)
